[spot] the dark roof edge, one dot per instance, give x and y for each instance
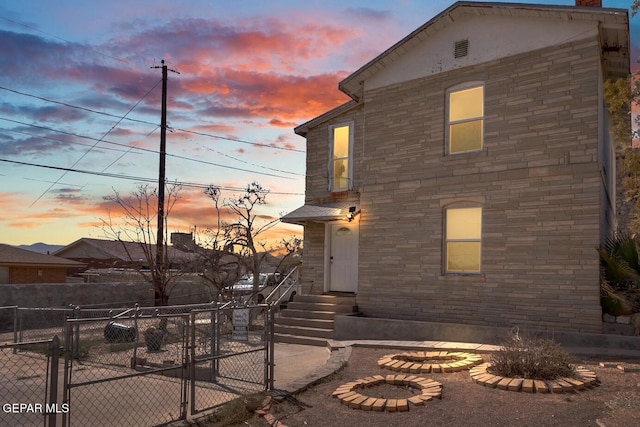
(304, 128)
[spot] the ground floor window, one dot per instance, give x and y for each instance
(463, 240)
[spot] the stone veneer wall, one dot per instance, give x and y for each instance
(537, 180)
(312, 270)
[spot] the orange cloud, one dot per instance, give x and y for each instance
(280, 124)
(278, 98)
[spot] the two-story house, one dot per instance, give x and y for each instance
(472, 175)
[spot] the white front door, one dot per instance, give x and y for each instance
(343, 257)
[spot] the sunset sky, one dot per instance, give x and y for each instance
(78, 90)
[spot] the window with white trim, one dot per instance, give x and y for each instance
(463, 240)
(340, 163)
(465, 118)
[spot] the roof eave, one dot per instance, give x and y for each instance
(353, 85)
(304, 128)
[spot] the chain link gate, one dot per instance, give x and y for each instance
(231, 355)
(115, 375)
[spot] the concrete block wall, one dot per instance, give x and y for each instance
(92, 295)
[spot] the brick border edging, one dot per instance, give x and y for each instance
(587, 379)
(410, 361)
(348, 396)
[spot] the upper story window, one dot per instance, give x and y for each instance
(341, 161)
(465, 121)
(463, 240)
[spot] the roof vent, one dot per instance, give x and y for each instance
(461, 48)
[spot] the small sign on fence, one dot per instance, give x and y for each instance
(240, 324)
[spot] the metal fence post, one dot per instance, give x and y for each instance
(20, 325)
(214, 332)
(135, 344)
(215, 339)
(192, 367)
(76, 338)
(186, 366)
(68, 359)
(54, 352)
(15, 328)
(270, 355)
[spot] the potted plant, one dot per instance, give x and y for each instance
(153, 338)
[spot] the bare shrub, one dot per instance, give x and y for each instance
(531, 358)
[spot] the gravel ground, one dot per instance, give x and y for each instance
(615, 402)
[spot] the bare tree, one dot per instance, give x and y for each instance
(245, 229)
(220, 267)
(136, 231)
(234, 247)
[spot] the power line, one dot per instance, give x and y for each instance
(250, 163)
(89, 110)
(61, 140)
(133, 178)
(96, 143)
(225, 138)
(275, 147)
(144, 149)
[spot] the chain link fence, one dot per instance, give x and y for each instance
(29, 383)
(137, 366)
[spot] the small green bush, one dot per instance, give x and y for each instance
(531, 358)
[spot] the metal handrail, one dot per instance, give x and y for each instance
(277, 288)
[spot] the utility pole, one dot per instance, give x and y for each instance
(161, 174)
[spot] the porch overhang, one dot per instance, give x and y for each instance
(321, 213)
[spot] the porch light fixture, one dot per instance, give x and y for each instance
(352, 209)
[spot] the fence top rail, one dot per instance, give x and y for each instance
(141, 316)
(45, 309)
(24, 343)
(8, 306)
(73, 307)
(229, 307)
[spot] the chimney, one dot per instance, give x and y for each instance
(589, 3)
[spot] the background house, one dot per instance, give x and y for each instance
(101, 254)
(19, 266)
(472, 175)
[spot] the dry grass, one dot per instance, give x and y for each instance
(531, 358)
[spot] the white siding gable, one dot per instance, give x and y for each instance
(490, 38)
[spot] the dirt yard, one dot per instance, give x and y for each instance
(615, 402)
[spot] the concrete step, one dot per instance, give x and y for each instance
(295, 339)
(306, 322)
(322, 306)
(334, 299)
(307, 314)
(304, 331)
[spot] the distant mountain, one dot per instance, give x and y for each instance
(41, 248)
